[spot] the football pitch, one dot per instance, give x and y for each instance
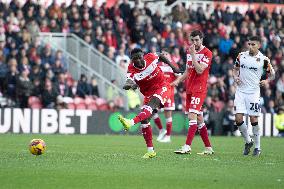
(107, 161)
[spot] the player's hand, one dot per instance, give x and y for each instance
(262, 83)
(237, 81)
(192, 50)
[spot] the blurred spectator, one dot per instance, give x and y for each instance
(49, 95)
(83, 88)
(37, 87)
(73, 92)
(24, 88)
(229, 119)
(113, 97)
(11, 79)
(94, 87)
(122, 59)
(280, 83)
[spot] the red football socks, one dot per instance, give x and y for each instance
(147, 134)
(169, 124)
(191, 131)
(204, 135)
(144, 114)
(157, 121)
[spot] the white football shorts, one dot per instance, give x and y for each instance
(247, 103)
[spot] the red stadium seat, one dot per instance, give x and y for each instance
(92, 106)
(36, 105)
(81, 106)
(78, 100)
(100, 101)
(89, 100)
(103, 107)
(33, 99)
(71, 106)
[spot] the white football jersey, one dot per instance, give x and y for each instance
(251, 71)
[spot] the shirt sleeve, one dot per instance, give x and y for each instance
(237, 61)
(206, 59)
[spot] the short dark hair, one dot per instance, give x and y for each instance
(196, 33)
(135, 51)
(255, 38)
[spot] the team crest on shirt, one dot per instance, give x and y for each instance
(258, 59)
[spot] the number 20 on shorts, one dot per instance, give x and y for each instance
(195, 100)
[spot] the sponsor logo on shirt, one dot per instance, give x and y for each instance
(250, 68)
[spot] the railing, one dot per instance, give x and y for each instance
(83, 59)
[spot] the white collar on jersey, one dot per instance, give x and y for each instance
(140, 68)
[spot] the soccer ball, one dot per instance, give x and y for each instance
(37, 146)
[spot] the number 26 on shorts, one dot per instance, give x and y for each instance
(195, 100)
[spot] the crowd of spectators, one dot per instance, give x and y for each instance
(116, 30)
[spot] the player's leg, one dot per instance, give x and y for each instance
(192, 116)
(254, 110)
(158, 123)
(146, 112)
(169, 106)
(148, 137)
(204, 136)
(244, 131)
(169, 120)
(240, 110)
(256, 134)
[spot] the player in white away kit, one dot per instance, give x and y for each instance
(252, 70)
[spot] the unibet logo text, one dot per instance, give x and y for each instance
(45, 121)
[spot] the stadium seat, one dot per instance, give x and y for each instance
(89, 100)
(100, 101)
(33, 100)
(103, 107)
(78, 100)
(92, 106)
(36, 105)
(81, 106)
(71, 106)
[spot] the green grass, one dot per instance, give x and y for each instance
(92, 161)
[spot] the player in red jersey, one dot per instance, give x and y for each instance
(143, 72)
(198, 64)
(170, 75)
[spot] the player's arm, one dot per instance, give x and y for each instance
(130, 83)
(236, 71)
(270, 73)
(163, 58)
(199, 68)
(181, 78)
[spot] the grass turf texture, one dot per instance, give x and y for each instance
(92, 161)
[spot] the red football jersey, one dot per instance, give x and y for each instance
(168, 71)
(198, 82)
(150, 78)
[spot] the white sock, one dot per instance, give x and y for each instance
(209, 148)
(187, 147)
(255, 131)
(150, 149)
(132, 122)
(244, 130)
